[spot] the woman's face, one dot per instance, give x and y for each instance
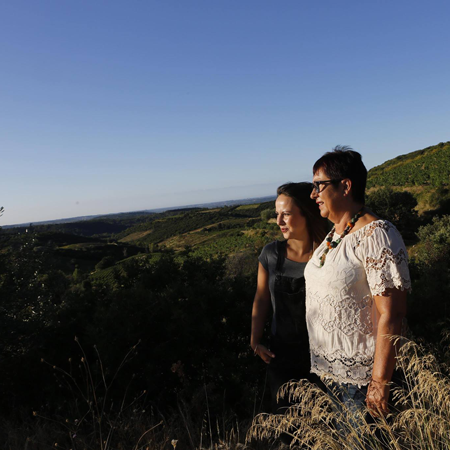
(329, 197)
(291, 221)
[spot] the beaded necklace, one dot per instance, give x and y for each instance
(333, 244)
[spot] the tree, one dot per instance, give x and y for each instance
(267, 214)
(397, 207)
(428, 310)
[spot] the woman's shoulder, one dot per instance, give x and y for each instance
(376, 228)
(270, 249)
(385, 257)
(379, 233)
(269, 255)
(370, 224)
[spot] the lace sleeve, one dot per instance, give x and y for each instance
(385, 258)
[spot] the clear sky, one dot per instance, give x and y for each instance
(110, 106)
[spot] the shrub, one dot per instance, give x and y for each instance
(435, 242)
(267, 214)
(397, 207)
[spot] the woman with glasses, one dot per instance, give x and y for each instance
(281, 287)
(356, 285)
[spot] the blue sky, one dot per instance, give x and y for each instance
(110, 106)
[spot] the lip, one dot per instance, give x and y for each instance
(284, 230)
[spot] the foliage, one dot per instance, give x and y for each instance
(395, 206)
(435, 242)
(32, 289)
(184, 291)
(428, 311)
(231, 242)
(267, 214)
(105, 262)
(174, 306)
(430, 166)
(164, 228)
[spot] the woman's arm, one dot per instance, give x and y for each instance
(261, 306)
(391, 307)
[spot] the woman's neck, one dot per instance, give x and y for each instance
(299, 250)
(340, 223)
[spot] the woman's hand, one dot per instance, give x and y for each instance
(264, 353)
(377, 398)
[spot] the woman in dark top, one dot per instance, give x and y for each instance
(281, 285)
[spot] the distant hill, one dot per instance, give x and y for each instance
(100, 249)
(427, 167)
(425, 174)
(134, 214)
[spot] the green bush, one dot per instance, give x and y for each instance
(267, 214)
(429, 311)
(427, 167)
(186, 313)
(397, 207)
(434, 245)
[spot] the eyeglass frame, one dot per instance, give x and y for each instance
(316, 184)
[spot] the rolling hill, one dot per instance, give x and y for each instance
(424, 173)
(427, 167)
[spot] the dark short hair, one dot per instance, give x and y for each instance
(344, 162)
(301, 194)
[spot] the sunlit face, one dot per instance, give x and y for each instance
(329, 196)
(291, 221)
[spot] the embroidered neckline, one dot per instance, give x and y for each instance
(366, 230)
(333, 244)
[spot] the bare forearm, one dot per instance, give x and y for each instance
(392, 309)
(259, 317)
(385, 351)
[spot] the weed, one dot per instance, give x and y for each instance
(420, 417)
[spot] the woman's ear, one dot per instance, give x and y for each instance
(347, 183)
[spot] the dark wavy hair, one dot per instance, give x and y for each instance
(300, 193)
(344, 162)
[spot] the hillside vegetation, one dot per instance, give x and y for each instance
(427, 167)
(160, 305)
(171, 281)
(425, 174)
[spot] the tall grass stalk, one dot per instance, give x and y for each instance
(93, 419)
(419, 418)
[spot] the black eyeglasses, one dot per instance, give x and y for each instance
(316, 184)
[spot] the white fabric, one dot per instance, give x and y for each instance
(340, 311)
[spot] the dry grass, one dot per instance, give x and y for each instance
(420, 418)
(94, 421)
(251, 206)
(135, 236)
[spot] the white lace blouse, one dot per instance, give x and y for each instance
(340, 313)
